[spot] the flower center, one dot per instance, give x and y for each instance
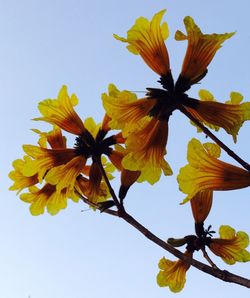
(88, 146)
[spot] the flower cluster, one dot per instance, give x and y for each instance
(51, 172)
(65, 172)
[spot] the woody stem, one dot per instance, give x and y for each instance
(113, 195)
(215, 139)
(221, 274)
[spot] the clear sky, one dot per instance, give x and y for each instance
(45, 44)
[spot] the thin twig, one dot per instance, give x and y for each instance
(96, 206)
(113, 195)
(215, 139)
(206, 256)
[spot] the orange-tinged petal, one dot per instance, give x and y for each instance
(200, 51)
(125, 110)
(48, 197)
(146, 38)
(128, 178)
(94, 192)
(64, 176)
(54, 138)
(60, 112)
(45, 159)
(201, 205)
(21, 181)
(229, 116)
(206, 172)
(173, 273)
(231, 245)
(146, 150)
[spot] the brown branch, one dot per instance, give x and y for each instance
(215, 139)
(216, 272)
(221, 274)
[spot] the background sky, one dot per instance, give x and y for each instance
(81, 253)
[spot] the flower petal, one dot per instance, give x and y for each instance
(146, 38)
(60, 112)
(206, 172)
(200, 52)
(231, 245)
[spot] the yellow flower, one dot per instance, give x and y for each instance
(45, 159)
(200, 51)
(125, 110)
(230, 116)
(146, 150)
(146, 38)
(145, 129)
(201, 205)
(206, 172)
(48, 197)
(60, 112)
(64, 176)
(173, 274)
(20, 180)
(231, 245)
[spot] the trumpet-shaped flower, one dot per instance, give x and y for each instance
(146, 38)
(201, 205)
(173, 273)
(200, 52)
(231, 246)
(125, 110)
(230, 116)
(61, 112)
(146, 149)
(45, 159)
(20, 180)
(145, 129)
(64, 176)
(48, 196)
(206, 172)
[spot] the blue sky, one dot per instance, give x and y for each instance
(80, 253)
